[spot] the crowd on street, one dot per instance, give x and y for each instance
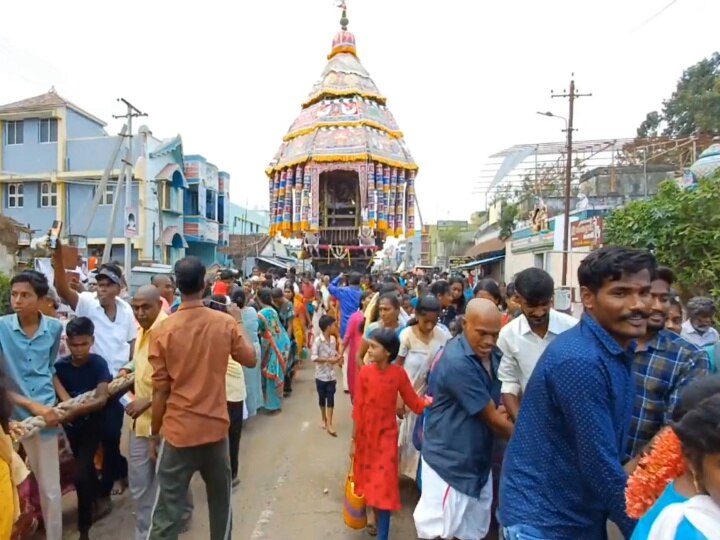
(513, 419)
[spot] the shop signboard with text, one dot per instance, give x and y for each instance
(586, 233)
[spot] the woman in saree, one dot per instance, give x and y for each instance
(301, 322)
(419, 343)
(253, 376)
(275, 349)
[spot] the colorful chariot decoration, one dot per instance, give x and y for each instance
(343, 179)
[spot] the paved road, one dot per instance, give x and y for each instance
(287, 461)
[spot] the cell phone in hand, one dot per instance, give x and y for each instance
(55, 233)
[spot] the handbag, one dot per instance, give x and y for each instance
(354, 504)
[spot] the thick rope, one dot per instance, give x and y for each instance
(32, 426)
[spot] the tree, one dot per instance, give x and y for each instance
(693, 108)
(454, 239)
(682, 226)
(507, 219)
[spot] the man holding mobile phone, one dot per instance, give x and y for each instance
(114, 340)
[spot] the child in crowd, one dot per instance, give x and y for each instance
(29, 342)
(698, 517)
(375, 434)
(325, 356)
(80, 372)
(407, 305)
(456, 326)
(663, 477)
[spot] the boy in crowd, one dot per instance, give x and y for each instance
(325, 356)
(29, 343)
(80, 372)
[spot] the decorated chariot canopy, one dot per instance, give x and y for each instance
(344, 125)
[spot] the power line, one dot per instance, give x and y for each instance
(657, 14)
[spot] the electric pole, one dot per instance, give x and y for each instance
(572, 95)
(132, 112)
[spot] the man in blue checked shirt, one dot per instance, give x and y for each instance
(664, 364)
(563, 476)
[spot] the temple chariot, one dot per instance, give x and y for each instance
(343, 179)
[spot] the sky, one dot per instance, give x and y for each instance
(464, 79)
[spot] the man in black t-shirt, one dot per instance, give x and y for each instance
(82, 372)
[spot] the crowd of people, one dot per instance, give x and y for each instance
(511, 417)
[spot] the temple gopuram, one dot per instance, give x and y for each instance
(343, 179)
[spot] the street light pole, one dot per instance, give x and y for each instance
(572, 95)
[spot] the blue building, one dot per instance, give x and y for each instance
(206, 210)
(245, 221)
(52, 156)
(161, 170)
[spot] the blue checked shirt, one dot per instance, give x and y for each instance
(662, 370)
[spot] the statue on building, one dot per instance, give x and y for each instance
(311, 242)
(367, 240)
(539, 217)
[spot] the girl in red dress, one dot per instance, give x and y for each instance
(375, 433)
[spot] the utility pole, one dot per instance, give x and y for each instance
(572, 95)
(131, 112)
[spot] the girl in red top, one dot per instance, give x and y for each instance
(375, 433)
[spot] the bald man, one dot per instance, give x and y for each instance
(148, 309)
(460, 429)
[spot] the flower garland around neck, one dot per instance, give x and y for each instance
(655, 470)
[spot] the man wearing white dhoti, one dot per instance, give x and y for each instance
(460, 429)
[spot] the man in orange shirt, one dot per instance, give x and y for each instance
(189, 356)
(93, 261)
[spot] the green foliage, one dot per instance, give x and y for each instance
(682, 226)
(454, 239)
(693, 108)
(451, 235)
(4, 294)
(507, 221)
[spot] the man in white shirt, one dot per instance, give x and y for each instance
(292, 276)
(524, 339)
(115, 333)
(698, 329)
(325, 292)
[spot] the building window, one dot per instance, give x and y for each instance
(210, 205)
(14, 132)
(48, 130)
(48, 195)
(16, 199)
(221, 209)
(108, 197)
(190, 206)
(539, 260)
